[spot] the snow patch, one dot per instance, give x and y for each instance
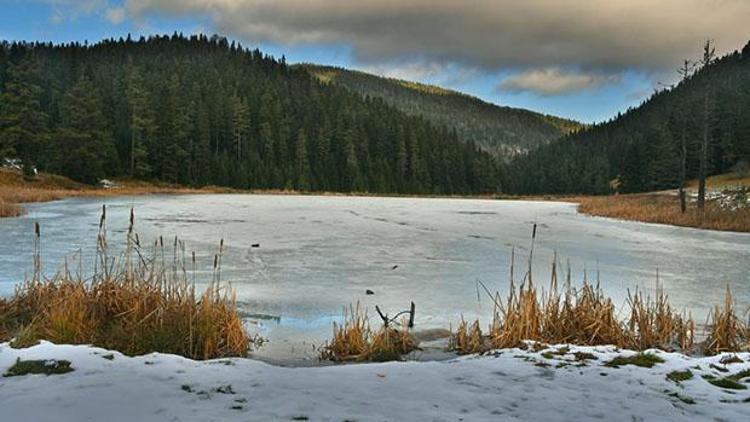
(551, 384)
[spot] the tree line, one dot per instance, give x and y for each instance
(200, 110)
(697, 128)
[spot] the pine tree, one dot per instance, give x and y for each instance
(709, 52)
(684, 72)
(302, 169)
(86, 147)
(142, 126)
(662, 170)
(240, 125)
(23, 123)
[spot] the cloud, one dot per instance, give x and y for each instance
(420, 70)
(63, 10)
(490, 34)
(115, 15)
(406, 70)
(554, 81)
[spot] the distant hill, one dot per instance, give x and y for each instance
(641, 148)
(500, 130)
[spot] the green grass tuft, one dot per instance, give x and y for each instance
(719, 368)
(684, 399)
(644, 360)
(727, 383)
(47, 367)
(740, 375)
(678, 376)
(584, 356)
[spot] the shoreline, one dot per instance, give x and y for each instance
(14, 191)
(651, 207)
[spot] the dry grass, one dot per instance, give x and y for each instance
(8, 209)
(722, 181)
(136, 304)
(587, 317)
(468, 339)
(354, 341)
(15, 190)
(728, 333)
(665, 209)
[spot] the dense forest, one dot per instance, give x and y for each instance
(641, 150)
(503, 131)
(198, 110)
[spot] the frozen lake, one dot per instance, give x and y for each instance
(318, 254)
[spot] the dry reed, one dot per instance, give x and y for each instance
(665, 209)
(354, 341)
(587, 317)
(136, 304)
(728, 333)
(468, 339)
(8, 209)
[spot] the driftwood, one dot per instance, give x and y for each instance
(387, 321)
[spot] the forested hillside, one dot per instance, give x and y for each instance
(504, 131)
(642, 149)
(199, 111)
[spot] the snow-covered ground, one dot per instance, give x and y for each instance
(507, 385)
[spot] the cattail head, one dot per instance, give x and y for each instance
(103, 217)
(37, 230)
(216, 261)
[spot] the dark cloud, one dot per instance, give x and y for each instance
(599, 38)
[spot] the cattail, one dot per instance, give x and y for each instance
(103, 217)
(37, 230)
(132, 221)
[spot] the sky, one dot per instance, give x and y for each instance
(580, 59)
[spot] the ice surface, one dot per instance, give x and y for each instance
(320, 253)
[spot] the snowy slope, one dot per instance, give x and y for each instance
(509, 385)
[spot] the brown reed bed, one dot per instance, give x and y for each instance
(665, 209)
(136, 303)
(8, 209)
(586, 317)
(355, 341)
(15, 190)
(728, 332)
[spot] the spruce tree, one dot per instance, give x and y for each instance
(23, 123)
(142, 125)
(86, 148)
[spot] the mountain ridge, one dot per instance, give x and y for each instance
(502, 130)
